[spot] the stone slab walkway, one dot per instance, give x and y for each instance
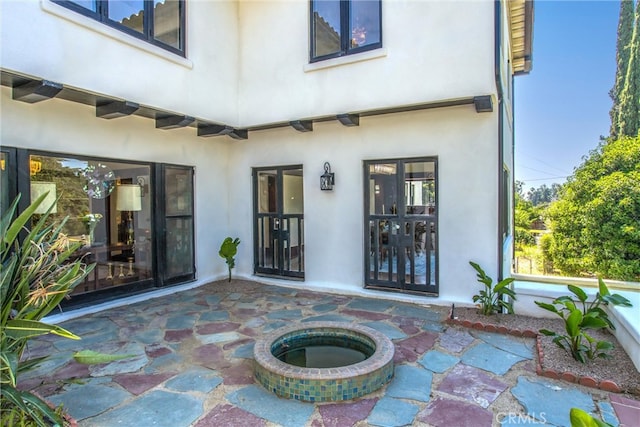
(193, 367)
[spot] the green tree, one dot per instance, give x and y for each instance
(523, 217)
(628, 122)
(595, 223)
(623, 44)
(543, 194)
(525, 213)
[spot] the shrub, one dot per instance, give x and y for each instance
(492, 299)
(37, 273)
(580, 316)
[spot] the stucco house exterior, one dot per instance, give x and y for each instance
(166, 126)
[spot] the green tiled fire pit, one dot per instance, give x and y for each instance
(324, 384)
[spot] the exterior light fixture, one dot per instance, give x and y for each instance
(327, 179)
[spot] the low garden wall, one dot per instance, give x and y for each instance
(626, 319)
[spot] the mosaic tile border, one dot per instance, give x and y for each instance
(324, 384)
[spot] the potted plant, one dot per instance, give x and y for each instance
(38, 271)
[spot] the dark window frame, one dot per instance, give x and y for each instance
(399, 285)
(345, 33)
(102, 15)
(17, 166)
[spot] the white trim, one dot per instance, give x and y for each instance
(117, 35)
(625, 319)
(578, 281)
(347, 59)
(74, 313)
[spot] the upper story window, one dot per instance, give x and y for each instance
(344, 27)
(159, 22)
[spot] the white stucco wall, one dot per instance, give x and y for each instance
(66, 127)
(465, 144)
(78, 51)
(463, 141)
(247, 64)
(432, 50)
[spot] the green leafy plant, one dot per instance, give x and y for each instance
(579, 316)
(228, 251)
(38, 271)
(580, 418)
(492, 299)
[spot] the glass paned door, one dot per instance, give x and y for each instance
(108, 206)
(7, 184)
(279, 221)
(400, 239)
(177, 241)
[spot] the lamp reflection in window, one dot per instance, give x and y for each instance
(129, 199)
(38, 188)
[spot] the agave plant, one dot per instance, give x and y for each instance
(38, 271)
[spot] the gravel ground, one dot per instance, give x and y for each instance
(619, 368)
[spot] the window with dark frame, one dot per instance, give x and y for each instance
(344, 27)
(159, 22)
(127, 216)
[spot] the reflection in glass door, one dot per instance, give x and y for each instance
(178, 258)
(279, 221)
(108, 206)
(400, 241)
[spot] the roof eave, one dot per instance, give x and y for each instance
(521, 34)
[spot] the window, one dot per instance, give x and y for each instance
(400, 204)
(159, 22)
(344, 27)
(133, 219)
(108, 206)
(506, 202)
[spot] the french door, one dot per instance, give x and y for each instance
(401, 225)
(279, 221)
(175, 218)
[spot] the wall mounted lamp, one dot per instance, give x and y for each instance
(327, 179)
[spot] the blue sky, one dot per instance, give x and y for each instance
(562, 106)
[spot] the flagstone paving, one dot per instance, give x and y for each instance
(192, 365)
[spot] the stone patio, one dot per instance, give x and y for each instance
(192, 366)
